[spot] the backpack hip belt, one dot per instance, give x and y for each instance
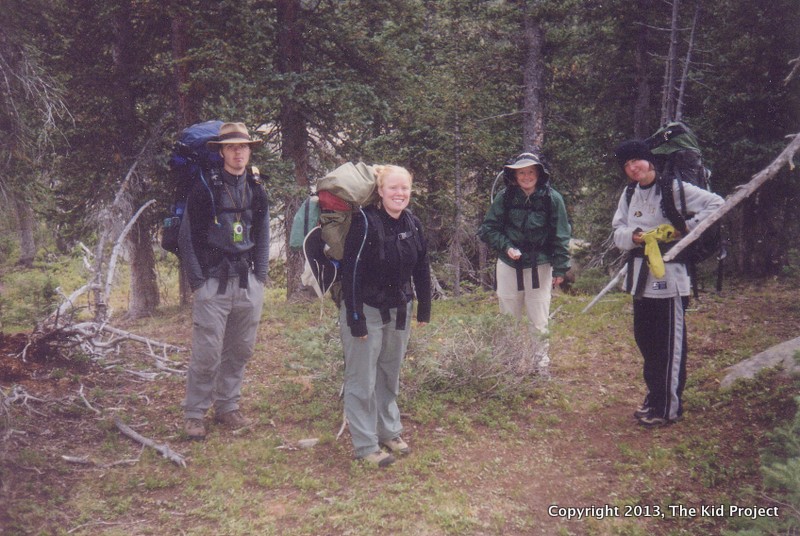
(641, 281)
(383, 306)
(532, 252)
(241, 264)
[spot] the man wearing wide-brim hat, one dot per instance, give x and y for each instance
(224, 244)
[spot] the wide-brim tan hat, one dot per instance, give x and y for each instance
(233, 133)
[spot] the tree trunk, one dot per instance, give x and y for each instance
(187, 111)
(687, 64)
(456, 248)
(294, 130)
(27, 228)
(294, 259)
(187, 107)
(533, 76)
(641, 128)
(483, 266)
(144, 288)
(670, 69)
(144, 283)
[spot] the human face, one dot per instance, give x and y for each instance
(527, 178)
(236, 156)
(640, 171)
(395, 193)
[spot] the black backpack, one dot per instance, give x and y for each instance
(678, 159)
(191, 161)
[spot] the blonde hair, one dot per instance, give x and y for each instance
(384, 170)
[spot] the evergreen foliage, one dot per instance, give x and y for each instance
(435, 86)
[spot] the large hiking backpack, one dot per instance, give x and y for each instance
(191, 161)
(321, 223)
(678, 156)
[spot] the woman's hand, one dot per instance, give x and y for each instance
(557, 280)
(513, 253)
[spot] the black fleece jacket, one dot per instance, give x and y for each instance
(206, 245)
(384, 281)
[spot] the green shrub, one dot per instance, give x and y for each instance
(29, 296)
(487, 354)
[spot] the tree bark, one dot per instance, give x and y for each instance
(187, 106)
(456, 249)
(533, 76)
(294, 128)
(670, 69)
(27, 227)
(642, 55)
(144, 282)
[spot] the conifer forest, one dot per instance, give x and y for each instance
(95, 93)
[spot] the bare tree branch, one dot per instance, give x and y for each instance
(164, 449)
(795, 63)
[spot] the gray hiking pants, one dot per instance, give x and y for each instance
(372, 379)
(223, 340)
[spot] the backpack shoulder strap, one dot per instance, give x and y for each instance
(415, 225)
(373, 219)
(668, 203)
(629, 190)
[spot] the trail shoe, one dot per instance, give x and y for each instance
(397, 446)
(194, 428)
(651, 420)
(378, 458)
(232, 419)
(641, 411)
(644, 407)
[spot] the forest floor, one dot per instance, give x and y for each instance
(531, 464)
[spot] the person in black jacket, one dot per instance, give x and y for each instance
(384, 252)
(224, 249)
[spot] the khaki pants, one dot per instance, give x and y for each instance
(532, 302)
(223, 340)
(535, 303)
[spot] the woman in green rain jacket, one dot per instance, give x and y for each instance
(527, 226)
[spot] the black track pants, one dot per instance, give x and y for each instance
(659, 327)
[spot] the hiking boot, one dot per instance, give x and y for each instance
(232, 419)
(397, 446)
(378, 458)
(195, 428)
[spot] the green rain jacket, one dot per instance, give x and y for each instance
(524, 227)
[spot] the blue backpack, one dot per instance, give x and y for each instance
(191, 161)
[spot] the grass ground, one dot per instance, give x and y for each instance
(485, 461)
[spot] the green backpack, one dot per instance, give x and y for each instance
(678, 156)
